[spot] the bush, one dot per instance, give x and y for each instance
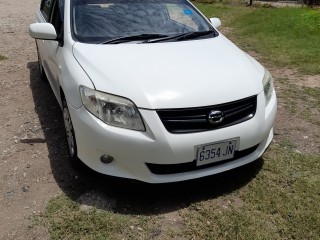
(312, 2)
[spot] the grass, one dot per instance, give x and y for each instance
(303, 101)
(287, 37)
(279, 200)
(282, 202)
(2, 57)
(66, 220)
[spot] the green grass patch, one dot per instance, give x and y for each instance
(282, 202)
(288, 37)
(65, 220)
(2, 57)
(301, 100)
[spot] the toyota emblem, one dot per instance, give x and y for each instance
(215, 117)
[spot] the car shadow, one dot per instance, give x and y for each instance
(127, 196)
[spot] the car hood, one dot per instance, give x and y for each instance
(172, 74)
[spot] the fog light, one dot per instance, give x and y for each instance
(106, 158)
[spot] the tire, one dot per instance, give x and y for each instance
(71, 139)
(43, 75)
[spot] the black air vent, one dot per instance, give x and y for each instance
(188, 120)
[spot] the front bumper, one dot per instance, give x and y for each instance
(131, 150)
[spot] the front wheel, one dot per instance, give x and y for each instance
(43, 75)
(70, 134)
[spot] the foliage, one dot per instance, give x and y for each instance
(288, 37)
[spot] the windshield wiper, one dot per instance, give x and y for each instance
(134, 38)
(193, 35)
(184, 36)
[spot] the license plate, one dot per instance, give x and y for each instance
(216, 152)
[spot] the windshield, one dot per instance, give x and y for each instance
(98, 21)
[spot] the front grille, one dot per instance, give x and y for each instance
(162, 169)
(188, 120)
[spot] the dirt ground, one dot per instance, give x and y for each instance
(34, 163)
(26, 182)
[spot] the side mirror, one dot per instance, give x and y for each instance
(44, 31)
(216, 23)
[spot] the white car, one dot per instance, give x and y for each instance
(151, 90)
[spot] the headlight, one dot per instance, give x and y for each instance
(113, 110)
(267, 86)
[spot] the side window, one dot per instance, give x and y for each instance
(57, 16)
(45, 8)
